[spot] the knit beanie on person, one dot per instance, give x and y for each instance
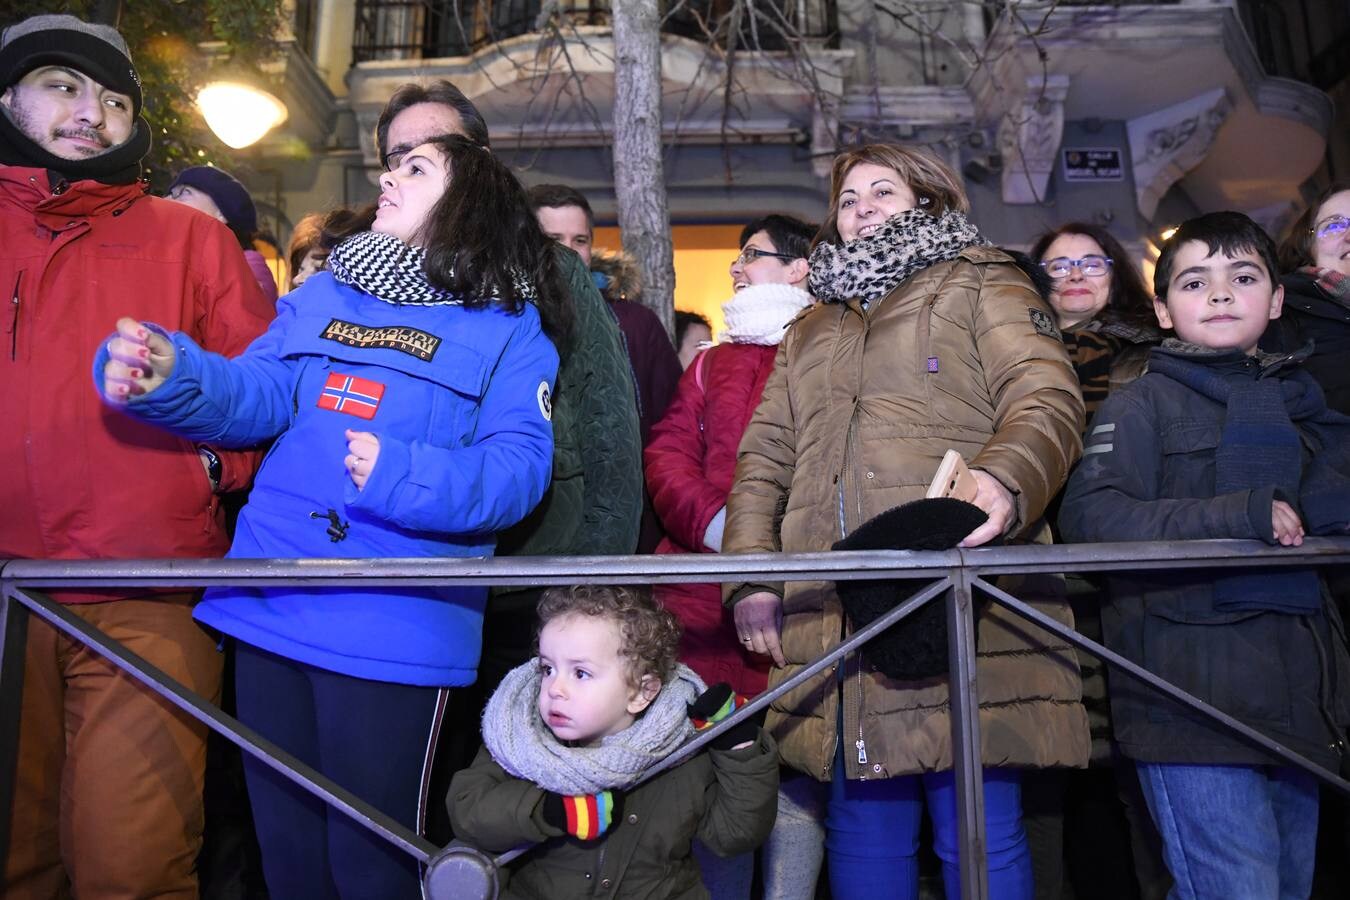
(224, 189)
(47, 40)
(97, 51)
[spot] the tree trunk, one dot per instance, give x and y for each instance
(639, 173)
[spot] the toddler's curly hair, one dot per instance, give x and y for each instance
(649, 636)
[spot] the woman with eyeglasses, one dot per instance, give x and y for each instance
(690, 462)
(1102, 308)
(926, 339)
(1316, 256)
(1105, 315)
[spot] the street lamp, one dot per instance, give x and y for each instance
(239, 114)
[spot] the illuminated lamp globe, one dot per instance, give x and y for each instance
(239, 114)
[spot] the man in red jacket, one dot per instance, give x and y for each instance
(109, 779)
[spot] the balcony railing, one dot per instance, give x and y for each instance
(953, 577)
(429, 29)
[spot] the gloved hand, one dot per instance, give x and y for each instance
(584, 816)
(716, 704)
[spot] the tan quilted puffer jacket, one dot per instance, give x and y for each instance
(855, 418)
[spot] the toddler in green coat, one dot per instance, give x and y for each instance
(567, 736)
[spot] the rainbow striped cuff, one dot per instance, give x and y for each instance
(589, 815)
(734, 702)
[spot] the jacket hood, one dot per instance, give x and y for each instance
(622, 279)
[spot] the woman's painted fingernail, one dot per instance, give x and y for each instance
(143, 352)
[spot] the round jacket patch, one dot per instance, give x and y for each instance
(545, 401)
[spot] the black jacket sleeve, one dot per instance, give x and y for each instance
(1115, 493)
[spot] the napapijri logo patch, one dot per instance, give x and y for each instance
(1041, 321)
(388, 337)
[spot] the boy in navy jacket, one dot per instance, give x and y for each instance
(1221, 441)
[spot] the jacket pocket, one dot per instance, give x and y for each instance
(1188, 458)
(1228, 660)
(14, 317)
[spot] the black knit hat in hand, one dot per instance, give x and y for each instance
(916, 646)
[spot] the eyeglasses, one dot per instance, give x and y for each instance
(1332, 227)
(750, 254)
(1062, 266)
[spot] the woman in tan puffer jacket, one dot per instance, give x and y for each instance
(929, 339)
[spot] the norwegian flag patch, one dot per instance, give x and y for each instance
(354, 396)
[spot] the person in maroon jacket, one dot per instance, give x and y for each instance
(108, 787)
(565, 215)
(690, 464)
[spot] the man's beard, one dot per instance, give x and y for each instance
(23, 120)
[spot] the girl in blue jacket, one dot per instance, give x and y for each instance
(408, 393)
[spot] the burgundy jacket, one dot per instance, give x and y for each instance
(656, 371)
(690, 464)
(84, 481)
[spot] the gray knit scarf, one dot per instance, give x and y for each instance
(869, 268)
(522, 743)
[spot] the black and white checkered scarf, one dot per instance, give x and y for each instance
(388, 269)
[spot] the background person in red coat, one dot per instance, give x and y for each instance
(108, 786)
(690, 464)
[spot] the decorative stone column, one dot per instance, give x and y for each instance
(1166, 144)
(1029, 136)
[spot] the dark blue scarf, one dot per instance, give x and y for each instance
(1260, 447)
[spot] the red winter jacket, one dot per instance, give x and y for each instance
(84, 481)
(690, 464)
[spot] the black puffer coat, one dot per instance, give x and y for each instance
(1148, 473)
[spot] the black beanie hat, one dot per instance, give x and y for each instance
(232, 197)
(914, 648)
(51, 40)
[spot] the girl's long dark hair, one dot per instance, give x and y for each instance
(482, 239)
(1128, 298)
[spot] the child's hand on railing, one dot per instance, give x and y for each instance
(1288, 526)
(717, 704)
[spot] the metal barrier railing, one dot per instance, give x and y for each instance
(460, 871)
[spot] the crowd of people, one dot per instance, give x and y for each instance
(456, 372)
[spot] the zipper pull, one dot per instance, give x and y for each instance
(862, 751)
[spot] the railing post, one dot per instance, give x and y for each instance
(966, 757)
(13, 647)
(460, 872)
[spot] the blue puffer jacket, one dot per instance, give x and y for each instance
(460, 402)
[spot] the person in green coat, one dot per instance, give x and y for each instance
(568, 736)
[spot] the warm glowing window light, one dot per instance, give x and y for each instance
(239, 114)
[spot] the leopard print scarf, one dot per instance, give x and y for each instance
(869, 268)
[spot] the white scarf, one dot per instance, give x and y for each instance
(759, 314)
(523, 744)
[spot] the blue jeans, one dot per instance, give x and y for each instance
(1234, 832)
(872, 834)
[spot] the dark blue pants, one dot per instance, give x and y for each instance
(373, 738)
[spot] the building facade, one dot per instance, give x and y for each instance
(1131, 115)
